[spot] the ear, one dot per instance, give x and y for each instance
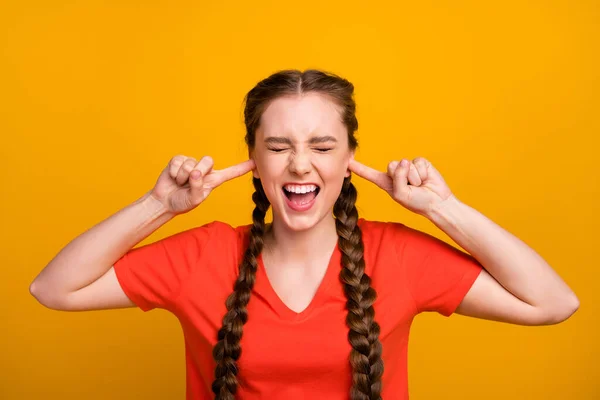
(255, 170)
(351, 157)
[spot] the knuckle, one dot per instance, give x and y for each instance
(175, 164)
(188, 165)
(178, 159)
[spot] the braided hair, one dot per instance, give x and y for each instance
(365, 357)
(227, 350)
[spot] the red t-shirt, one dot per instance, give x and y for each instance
(289, 355)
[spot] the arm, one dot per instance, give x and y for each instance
(81, 277)
(517, 285)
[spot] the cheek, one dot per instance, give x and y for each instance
(270, 170)
(269, 167)
(331, 168)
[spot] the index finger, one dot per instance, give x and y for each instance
(379, 178)
(236, 170)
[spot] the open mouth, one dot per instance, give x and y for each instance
(301, 194)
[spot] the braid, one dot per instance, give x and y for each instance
(227, 350)
(365, 357)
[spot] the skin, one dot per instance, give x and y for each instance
(301, 139)
(284, 153)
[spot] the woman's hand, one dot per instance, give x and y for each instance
(416, 184)
(185, 182)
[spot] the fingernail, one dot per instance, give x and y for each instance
(195, 174)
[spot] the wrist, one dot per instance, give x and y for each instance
(443, 211)
(154, 207)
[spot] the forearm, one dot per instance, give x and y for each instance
(516, 266)
(91, 254)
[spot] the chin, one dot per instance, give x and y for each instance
(301, 223)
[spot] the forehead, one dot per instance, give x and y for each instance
(301, 116)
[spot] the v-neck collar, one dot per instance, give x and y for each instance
(284, 312)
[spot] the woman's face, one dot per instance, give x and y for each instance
(301, 154)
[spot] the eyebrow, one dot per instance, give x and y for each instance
(314, 140)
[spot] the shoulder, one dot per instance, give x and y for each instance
(221, 246)
(218, 229)
(381, 240)
(380, 231)
(214, 238)
(396, 232)
(224, 233)
(397, 240)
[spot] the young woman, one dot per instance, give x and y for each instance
(317, 304)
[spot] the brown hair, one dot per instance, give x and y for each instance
(365, 357)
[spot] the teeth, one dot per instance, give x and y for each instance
(300, 188)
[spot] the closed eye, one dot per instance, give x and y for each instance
(276, 150)
(323, 149)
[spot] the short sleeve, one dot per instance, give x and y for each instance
(438, 275)
(152, 275)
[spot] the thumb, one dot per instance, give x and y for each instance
(197, 175)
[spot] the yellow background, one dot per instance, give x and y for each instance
(97, 96)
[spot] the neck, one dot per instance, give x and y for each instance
(301, 245)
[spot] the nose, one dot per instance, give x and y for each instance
(300, 163)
